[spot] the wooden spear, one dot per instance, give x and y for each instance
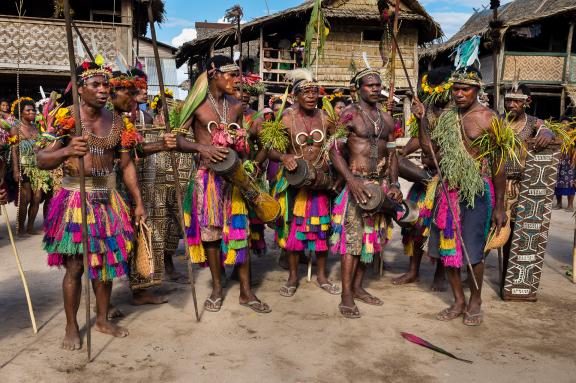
(172, 156)
(72, 60)
(82, 41)
(495, 25)
(390, 103)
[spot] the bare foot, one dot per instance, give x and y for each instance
(23, 234)
(71, 339)
(405, 279)
(110, 328)
(147, 298)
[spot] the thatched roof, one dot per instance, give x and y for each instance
(512, 14)
(140, 11)
(429, 29)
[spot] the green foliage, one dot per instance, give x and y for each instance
(318, 28)
(195, 97)
(459, 168)
(500, 143)
(274, 134)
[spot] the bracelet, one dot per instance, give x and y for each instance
(397, 184)
(391, 145)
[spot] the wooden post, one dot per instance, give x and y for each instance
(172, 156)
(261, 67)
(81, 171)
(568, 67)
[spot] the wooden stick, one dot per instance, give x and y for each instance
(172, 156)
(20, 271)
(309, 275)
(82, 41)
(393, 58)
(81, 171)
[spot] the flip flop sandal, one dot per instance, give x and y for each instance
(473, 320)
(288, 291)
(213, 305)
(349, 312)
(259, 307)
(370, 300)
(330, 288)
(448, 315)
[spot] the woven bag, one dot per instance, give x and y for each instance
(497, 241)
(144, 261)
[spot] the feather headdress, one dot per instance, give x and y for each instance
(301, 78)
(515, 92)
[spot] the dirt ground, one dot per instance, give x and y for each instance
(304, 339)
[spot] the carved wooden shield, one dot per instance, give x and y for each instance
(531, 228)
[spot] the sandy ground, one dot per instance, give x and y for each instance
(304, 339)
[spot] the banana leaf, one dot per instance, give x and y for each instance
(195, 97)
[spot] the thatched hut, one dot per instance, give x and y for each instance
(354, 29)
(537, 42)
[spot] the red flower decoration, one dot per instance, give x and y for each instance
(85, 65)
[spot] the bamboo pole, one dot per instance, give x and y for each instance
(172, 156)
(71, 59)
(20, 270)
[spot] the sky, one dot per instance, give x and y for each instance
(182, 14)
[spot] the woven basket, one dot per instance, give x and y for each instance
(497, 241)
(144, 261)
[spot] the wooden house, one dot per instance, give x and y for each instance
(537, 43)
(35, 44)
(354, 28)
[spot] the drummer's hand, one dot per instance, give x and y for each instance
(358, 190)
(140, 214)
(499, 219)
(169, 141)
(417, 109)
(395, 193)
(213, 153)
(289, 162)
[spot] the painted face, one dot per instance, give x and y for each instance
(123, 100)
(142, 96)
(95, 91)
(339, 107)
(464, 95)
(514, 107)
(28, 113)
(4, 107)
(370, 88)
(228, 83)
(308, 98)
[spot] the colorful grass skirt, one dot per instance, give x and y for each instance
(216, 210)
(110, 233)
(354, 232)
(423, 196)
(310, 223)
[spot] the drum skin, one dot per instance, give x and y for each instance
(309, 176)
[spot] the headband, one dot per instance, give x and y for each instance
(466, 78)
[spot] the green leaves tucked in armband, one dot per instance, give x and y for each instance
(565, 134)
(46, 139)
(499, 143)
(274, 134)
